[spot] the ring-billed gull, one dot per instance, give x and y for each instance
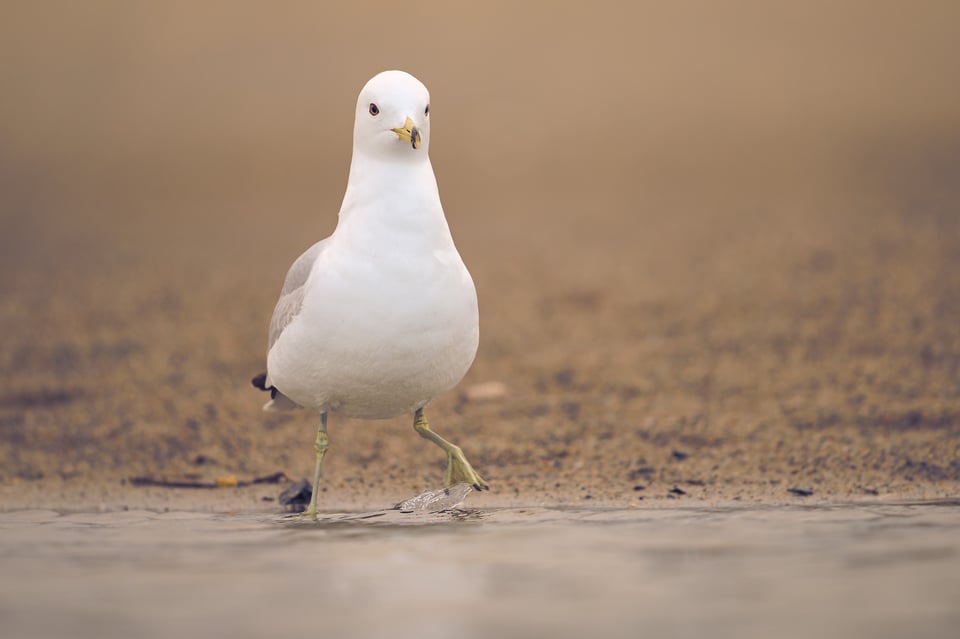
(380, 317)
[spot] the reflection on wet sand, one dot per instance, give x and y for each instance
(872, 570)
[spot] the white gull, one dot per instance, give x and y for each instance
(380, 317)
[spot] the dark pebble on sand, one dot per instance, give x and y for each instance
(296, 496)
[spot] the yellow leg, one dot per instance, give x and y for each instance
(459, 470)
(320, 446)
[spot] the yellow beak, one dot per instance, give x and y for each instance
(409, 133)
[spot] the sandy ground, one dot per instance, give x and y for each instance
(716, 252)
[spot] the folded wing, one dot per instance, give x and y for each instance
(288, 307)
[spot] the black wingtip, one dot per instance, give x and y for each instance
(260, 381)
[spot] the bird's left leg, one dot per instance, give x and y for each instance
(321, 445)
(459, 470)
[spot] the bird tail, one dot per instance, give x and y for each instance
(278, 401)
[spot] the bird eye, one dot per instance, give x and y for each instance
(374, 109)
(427, 110)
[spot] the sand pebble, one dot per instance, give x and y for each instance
(485, 392)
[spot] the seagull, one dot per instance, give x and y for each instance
(380, 317)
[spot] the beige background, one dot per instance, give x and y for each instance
(725, 229)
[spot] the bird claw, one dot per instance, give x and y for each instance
(459, 471)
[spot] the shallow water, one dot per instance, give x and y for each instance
(874, 570)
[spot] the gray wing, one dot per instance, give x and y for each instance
(291, 295)
(287, 308)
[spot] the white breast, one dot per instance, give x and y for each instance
(389, 321)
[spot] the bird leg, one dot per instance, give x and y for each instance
(459, 470)
(320, 446)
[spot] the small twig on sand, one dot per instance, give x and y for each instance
(228, 481)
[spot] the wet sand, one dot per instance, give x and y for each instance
(857, 571)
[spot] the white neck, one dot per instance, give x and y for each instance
(392, 196)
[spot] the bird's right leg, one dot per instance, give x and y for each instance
(320, 446)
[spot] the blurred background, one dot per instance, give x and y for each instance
(716, 244)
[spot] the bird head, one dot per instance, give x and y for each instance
(393, 117)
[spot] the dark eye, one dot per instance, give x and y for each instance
(427, 110)
(374, 109)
